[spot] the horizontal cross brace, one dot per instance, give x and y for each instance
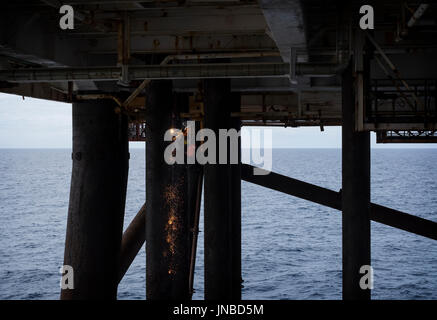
(175, 71)
(332, 199)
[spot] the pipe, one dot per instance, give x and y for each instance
(417, 14)
(132, 241)
(195, 231)
(224, 55)
(162, 72)
(198, 56)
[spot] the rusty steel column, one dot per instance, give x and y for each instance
(355, 195)
(222, 208)
(167, 229)
(97, 199)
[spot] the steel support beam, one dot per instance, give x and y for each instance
(132, 241)
(195, 198)
(222, 208)
(167, 230)
(332, 199)
(195, 187)
(355, 195)
(97, 199)
(161, 72)
(235, 187)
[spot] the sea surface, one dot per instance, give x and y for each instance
(291, 247)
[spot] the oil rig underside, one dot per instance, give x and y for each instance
(284, 57)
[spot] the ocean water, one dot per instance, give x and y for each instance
(291, 247)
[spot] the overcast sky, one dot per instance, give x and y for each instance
(35, 123)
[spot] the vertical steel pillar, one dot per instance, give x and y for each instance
(355, 195)
(167, 229)
(222, 204)
(97, 199)
(235, 106)
(195, 187)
